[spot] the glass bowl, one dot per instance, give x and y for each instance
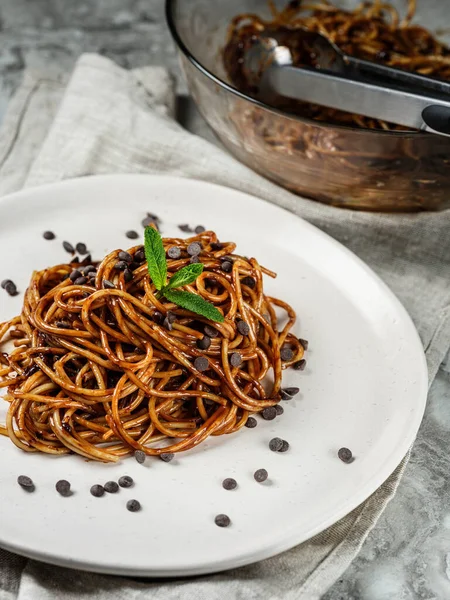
(343, 166)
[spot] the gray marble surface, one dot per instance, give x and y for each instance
(407, 555)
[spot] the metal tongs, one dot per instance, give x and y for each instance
(346, 83)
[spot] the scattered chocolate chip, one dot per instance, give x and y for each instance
(269, 413)
(133, 505)
(97, 490)
(63, 487)
(276, 444)
(279, 409)
(210, 331)
(88, 269)
(48, 235)
(251, 422)
(249, 282)
(75, 260)
(125, 481)
(235, 359)
(108, 285)
(5, 282)
(139, 256)
(150, 220)
(68, 247)
(201, 363)
(303, 343)
(300, 365)
(216, 246)
(204, 343)
(229, 483)
(243, 327)
(140, 456)
(289, 392)
(81, 248)
(286, 353)
(226, 266)
(11, 289)
(285, 446)
(121, 265)
(111, 487)
(75, 275)
(125, 256)
(345, 455)
(174, 252)
(199, 229)
(171, 316)
(86, 260)
(222, 520)
(194, 248)
(185, 228)
(127, 275)
(194, 259)
(167, 324)
(31, 370)
(26, 483)
(132, 235)
(63, 325)
(80, 281)
(166, 456)
(261, 475)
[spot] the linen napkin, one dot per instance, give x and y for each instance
(108, 120)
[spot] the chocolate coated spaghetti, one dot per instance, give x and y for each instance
(103, 370)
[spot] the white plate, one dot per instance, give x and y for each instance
(365, 388)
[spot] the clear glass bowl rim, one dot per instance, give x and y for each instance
(170, 18)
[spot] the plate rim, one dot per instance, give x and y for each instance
(288, 542)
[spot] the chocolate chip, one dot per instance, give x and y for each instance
(279, 409)
(289, 392)
(185, 228)
(303, 343)
(133, 505)
(285, 446)
(121, 265)
(194, 259)
(150, 220)
(108, 285)
(201, 363)
(174, 252)
(261, 475)
(251, 422)
(158, 317)
(269, 413)
(132, 235)
(68, 247)
(48, 235)
(276, 444)
(125, 256)
(75, 260)
(11, 289)
(210, 331)
(171, 316)
(75, 275)
(63, 487)
(249, 282)
(111, 487)
(139, 256)
(63, 325)
(88, 269)
(204, 343)
(226, 266)
(194, 248)
(97, 490)
(86, 260)
(243, 327)
(199, 229)
(167, 324)
(5, 282)
(229, 483)
(235, 359)
(300, 365)
(127, 275)
(216, 246)
(345, 455)
(125, 481)
(222, 520)
(166, 456)
(81, 248)
(26, 483)
(140, 456)
(286, 353)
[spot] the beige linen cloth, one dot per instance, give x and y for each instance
(108, 120)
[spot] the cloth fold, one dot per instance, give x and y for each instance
(109, 120)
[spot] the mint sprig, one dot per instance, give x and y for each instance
(157, 268)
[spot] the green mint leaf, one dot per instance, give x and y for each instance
(185, 276)
(156, 257)
(195, 304)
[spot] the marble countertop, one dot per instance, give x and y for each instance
(407, 555)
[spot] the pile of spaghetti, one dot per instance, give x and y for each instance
(373, 31)
(104, 370)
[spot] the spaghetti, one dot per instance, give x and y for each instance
(104, 367)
